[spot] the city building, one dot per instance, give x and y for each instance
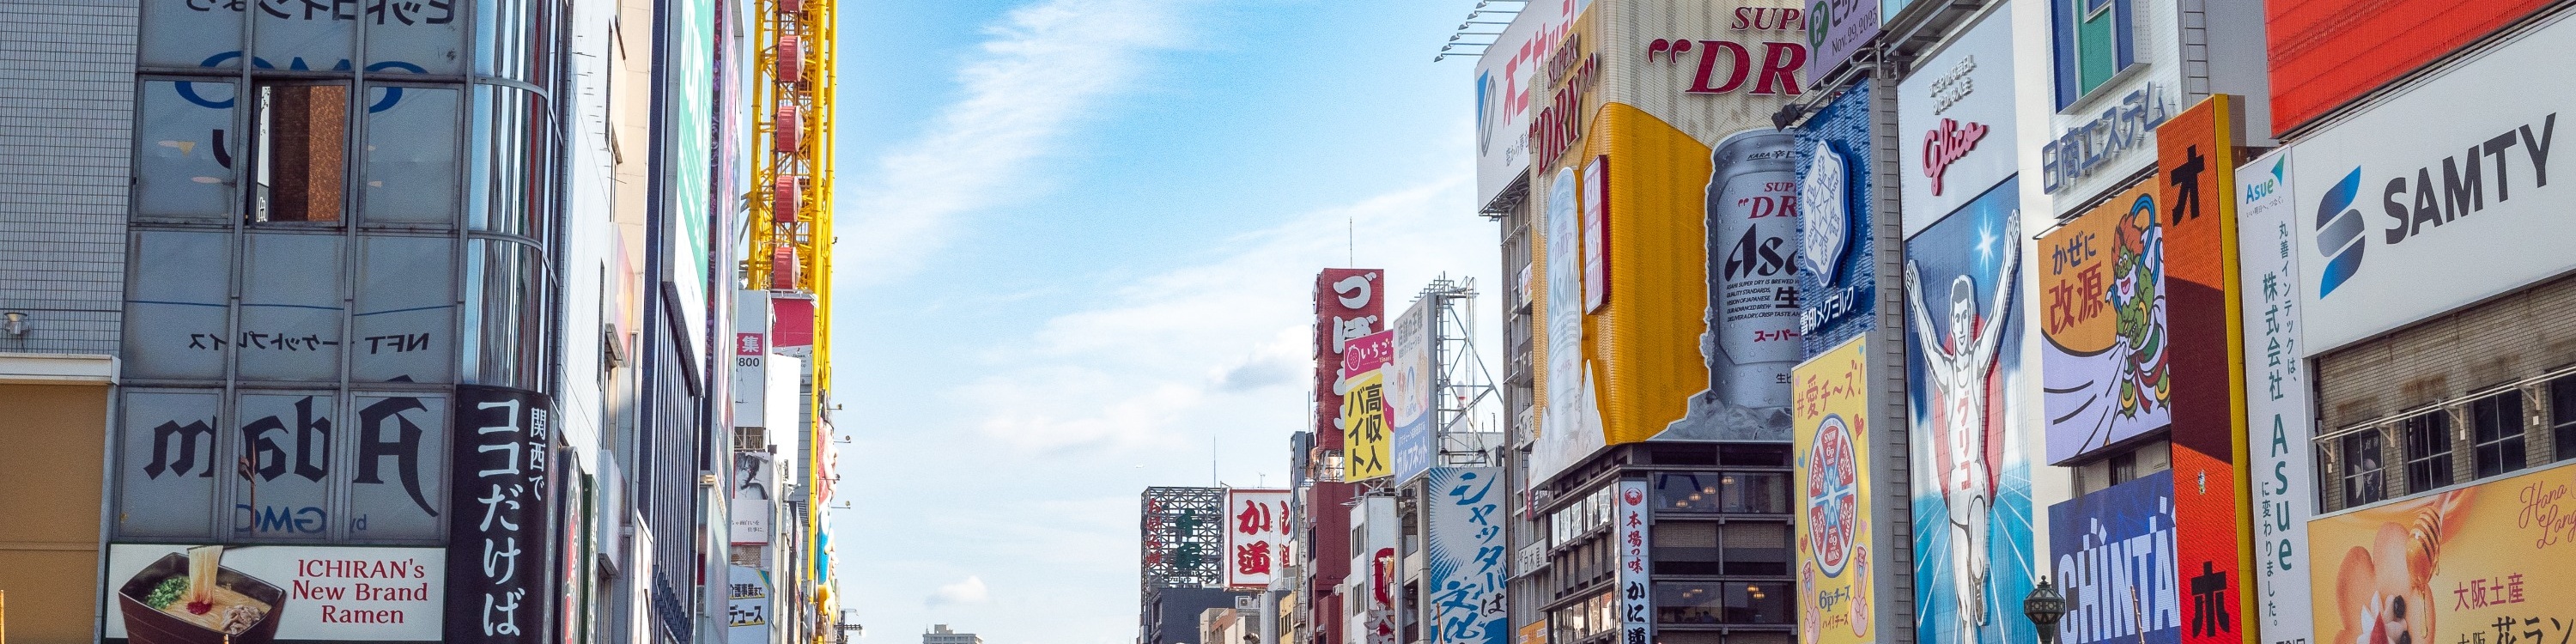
(939, 634)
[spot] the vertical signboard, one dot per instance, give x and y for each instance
(1633, 526)
(1347, 305)
(1954, 121)
(1505, 75)
(747, 606)
(2102, 318)
(498, 560)
(1367, 447)
(2114, 551)
(1834, 527)
(1972, 505)
(2478, 563)
(1410, 412)
(755, 477)
(1837, 268)
(2196, 152)
(2277, 400)
(1464, 563)
(1256, 536)
(750, 352)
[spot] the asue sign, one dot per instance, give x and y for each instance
(2437, 198)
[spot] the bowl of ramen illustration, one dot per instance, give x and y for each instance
(169, 603)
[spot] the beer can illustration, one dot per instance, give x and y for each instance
(1752, 316)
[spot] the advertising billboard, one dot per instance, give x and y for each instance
(1256, 536)
(2102, 315)
(2467, 564)
(2325, 53)
(496, 571)
(1954, 121)
(2114, 551)
(2116, 71)
(1464, 555)
(1834, 531)
(1971, 495)
(1655, 107)
(277, 593)
(1367, 447)
(1634, 529)
(2277, 399)
(1837, 29)
(1410, 413)
(1505, 75)
(1837, 245)
(1347, 306)
(747, 606)
(2436, 198)
(2196, 152)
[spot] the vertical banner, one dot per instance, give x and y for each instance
(2115, 555)
(1837, 281)
(1834, 533)
(2196, 153)
(1635, 596)
(1256, 536)
(1366, 445)
(1410, 411)
(1465, 556)
(747, 606)
(1347, 306)
(2102, 314)
(1972, 506)
(498, 559)
(750, 360)
(2276, 398)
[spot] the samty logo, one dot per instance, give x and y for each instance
(2339, 231)
(2093, 41)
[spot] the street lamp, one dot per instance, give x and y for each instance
(2044, 607)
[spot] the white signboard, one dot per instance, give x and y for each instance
(1256, 536)
(2099, 141)
(2276, 396)
(308, 592)
(751, 359)
(1632, 525)
(1954, 121)
(2437, 198)
(747, 607)
(1503, 95)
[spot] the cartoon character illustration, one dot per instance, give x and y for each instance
(1959, 368)
(2385, 590)
(2138, 299)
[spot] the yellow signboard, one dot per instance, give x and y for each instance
(1367, 443)
(1830, 409)
(2478, 564)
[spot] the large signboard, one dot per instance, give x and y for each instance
(301, 593)
(1367, 447)
(1505, 75)
(1465, 556)
(1972, 505)
(2277, 399)
(748, 608)
(2116, 70)
(2325, 54)
(1634, 528)
(2102, 314)
(1837, 593)
(1838, 244)
(1410, 412)
(2437, 198)
(2114, 551)
(1347, 305)
(2195, 152)
(498, 531)
(2474, 563)
(1257, 527)
(1954, 121)
(1836, 30)
(1655, 107)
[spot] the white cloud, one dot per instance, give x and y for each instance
(1225, 343)
(970, 590)
(1044, 65)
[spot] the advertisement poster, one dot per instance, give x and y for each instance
(747, 607)
(1465, 556)
(2114, 550)
(497, 565)
(1256, 536)
(263, 594)
(1636, 607)
(2276, 398)
(2194, 151)
(2471, 564)
(1409, 379)
(1954, 121)
(2102, 316)
(1972, 504)
(1837, 29)
(1347, 306)
(1367, 447)
(1833, 525)
(1505, 77)
(1838, 245)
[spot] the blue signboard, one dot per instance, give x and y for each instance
(1837, 277)
(2115, 556)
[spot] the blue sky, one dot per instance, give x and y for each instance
(1076, 243)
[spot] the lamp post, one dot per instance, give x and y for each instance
(2044, 607)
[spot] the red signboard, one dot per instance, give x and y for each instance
(2328, 52)
(1349, 303)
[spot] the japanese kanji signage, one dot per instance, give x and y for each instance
(498, 563)
(747, 606)
(2478, 564)
(2276, 398)
(1835, 584)
(2102, 313)
(1635, 593)
(1466, 553)
(1347, 306)
(1256, 536)
(1367, 443)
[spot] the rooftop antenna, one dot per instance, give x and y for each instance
(1351, 228)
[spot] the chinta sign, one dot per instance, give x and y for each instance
(1662, 106)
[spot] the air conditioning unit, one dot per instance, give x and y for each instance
(1247, 602)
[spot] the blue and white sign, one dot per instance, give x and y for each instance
(1837, 274)
(1466, 556)
(2115, 553)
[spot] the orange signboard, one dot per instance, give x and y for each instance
(2327, 52)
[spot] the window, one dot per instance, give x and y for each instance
(2498, 421)
(2124, 467)
(1755, 548)
(2562, 416)
(302, 137)
(1722, 602)
(1687, 548)
(1731, 492)
(2428, 451)
(2362, 482)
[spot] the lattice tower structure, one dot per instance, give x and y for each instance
(1184, 537)
(790, 247)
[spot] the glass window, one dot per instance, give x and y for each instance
(1756, 548)
(399, 475)
(191, 34)
(2497, 420)
(177, 316)
(2562, 416)
(169, 454)
(1686, 548)
(291, 308)
(1755, 492)
(306, 34)
(510, 179)
(1722, 602)
(1757, 603)
(286, 443)
(1688, 603)
(184, 150)
(2362, 460)
(416, 36)
(302, 136)
(405, 322)
(412, 175)
(2428, 451)
(1686, 492)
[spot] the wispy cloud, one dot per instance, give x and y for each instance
(1042, 67)
(970, 590)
